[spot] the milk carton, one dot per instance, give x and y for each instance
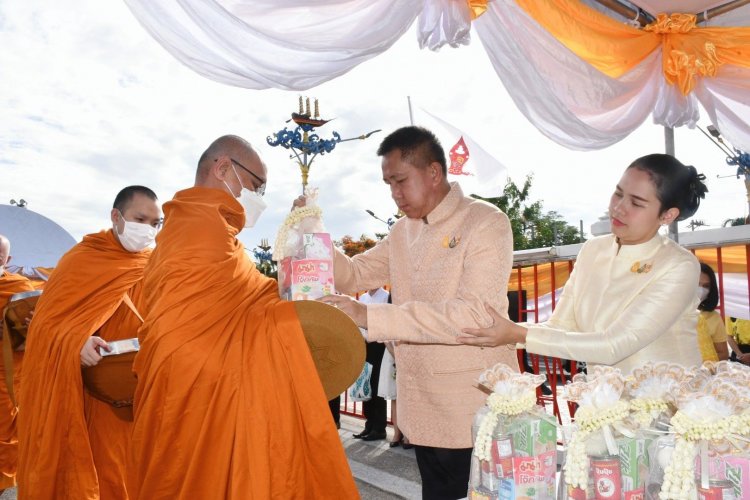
(633, 453)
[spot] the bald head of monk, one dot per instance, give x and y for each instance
(135, 216)
(4, 252)
(230, 163)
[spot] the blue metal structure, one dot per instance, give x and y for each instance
(302, 140)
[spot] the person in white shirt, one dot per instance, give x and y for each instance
(631, 297)
(375, 409)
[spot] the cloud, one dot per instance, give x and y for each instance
(92, 103)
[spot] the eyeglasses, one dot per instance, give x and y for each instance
(260, 190)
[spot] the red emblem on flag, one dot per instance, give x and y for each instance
(459, 155)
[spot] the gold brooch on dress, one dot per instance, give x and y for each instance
(451, 243)
(640, 269)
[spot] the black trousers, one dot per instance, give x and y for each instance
(444, 471)
(375, 409)
(335, 406)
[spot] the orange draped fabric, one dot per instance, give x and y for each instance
(10, 284)
(110, 428)
(615, 48)
(733, 258)
(477, 8)
(543, 279)
(228, 403)
(56, 455)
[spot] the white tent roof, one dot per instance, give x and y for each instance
(654, 7)
(35, 240)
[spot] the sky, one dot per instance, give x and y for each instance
(91, 103)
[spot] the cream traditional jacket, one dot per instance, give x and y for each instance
(624, 306)
(442, 272)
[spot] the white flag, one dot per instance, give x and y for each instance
(475, 169)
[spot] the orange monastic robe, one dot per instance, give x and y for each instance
(228, 403)
(71, 446)
(10, 284)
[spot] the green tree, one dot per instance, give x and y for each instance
(739, 221)
(531, 226)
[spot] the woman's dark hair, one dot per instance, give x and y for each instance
(677, 185)
(712, 299)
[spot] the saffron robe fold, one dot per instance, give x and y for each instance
(228, 403)
(10, 284)
(67, 441)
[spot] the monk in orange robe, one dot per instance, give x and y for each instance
(228, 403)
(73, 446)
(10, 284)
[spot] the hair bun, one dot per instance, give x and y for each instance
(696, 191)
(696, 184)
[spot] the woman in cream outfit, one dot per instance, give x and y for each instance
(631, 297)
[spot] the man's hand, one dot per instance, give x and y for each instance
(354, 309)
(89, 354)
(298, 202)
(744, 358)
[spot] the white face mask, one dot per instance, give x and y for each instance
(702, 293)
(251, 201)
(136, 236)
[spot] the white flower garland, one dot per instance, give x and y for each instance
(295, 217)
(589, 419)
(645, 410)
(679, 479)
(499, 405)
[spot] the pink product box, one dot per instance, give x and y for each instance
(533, 478)
(309, 277)
(735, 469)
(738, 473)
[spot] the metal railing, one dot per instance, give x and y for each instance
(539, 275)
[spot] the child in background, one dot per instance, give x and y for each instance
(712, 338)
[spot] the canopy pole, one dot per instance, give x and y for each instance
(643, 18)
(721, 9)
(626, 11)
(669, 149)
(411, 114)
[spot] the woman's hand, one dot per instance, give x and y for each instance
(502, 332)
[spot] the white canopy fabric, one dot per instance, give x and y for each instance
(577, 106)
(298, 44)
(35, 240)
(292, 45)
(654, 7)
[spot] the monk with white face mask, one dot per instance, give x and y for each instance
(228, 404)
(75, 446)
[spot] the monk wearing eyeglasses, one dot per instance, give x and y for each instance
(228, 403)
